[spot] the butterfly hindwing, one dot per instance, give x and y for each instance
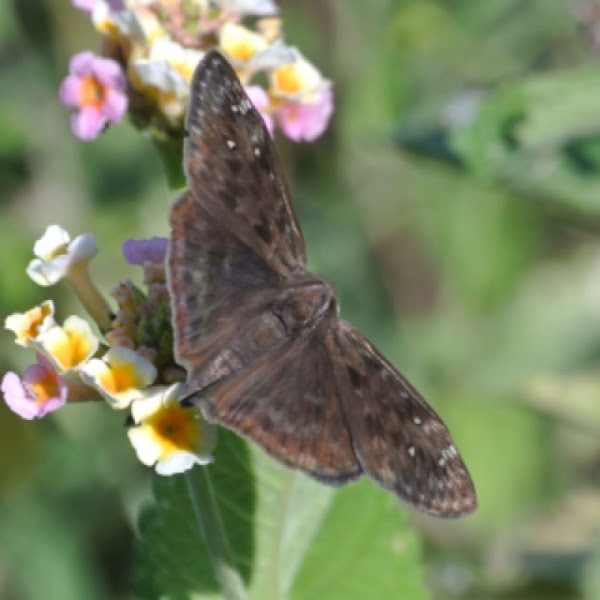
(288, 403)
(399, 440)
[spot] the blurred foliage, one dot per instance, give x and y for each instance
(454, 202)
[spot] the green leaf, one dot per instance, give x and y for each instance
(278, 529)
(364, 549)
(173, 560)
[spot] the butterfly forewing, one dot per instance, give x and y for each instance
(259, 336)
(215, 282)
(233, 170)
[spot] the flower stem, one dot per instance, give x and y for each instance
(89, 296)
(209, 521)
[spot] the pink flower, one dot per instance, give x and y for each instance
(88, 5)
(305, 122)
(95, 86)
(260, 99)
(138, 252)
(42, 390)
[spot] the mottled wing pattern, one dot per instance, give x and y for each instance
(288, 404)
(321, 399)
(399, 440)
(233, 170)
(216, 284)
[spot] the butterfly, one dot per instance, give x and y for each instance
(259, 335)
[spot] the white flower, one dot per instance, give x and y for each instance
(239, 42)
(169, 69)
(120, 376)
(56, 255)
(169, 436)
(299, 81)
(273, 56)
(138, 25)
(31, 323)
(69, 346)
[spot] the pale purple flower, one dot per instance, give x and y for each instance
(89, 5)
(85, 5)
(261, 8)
(42, 390)
(306, 122)
(96, 87)
(260, 99)
(138, 252)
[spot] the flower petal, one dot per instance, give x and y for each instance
(31, 323)
(82, 248)
(173, 437)
(81, 63)
(260, 100)
(121, 376)
(48, 273)
(69, 346)
(41, 390)
(69, 91)
(57, 255)
(87, 123)
(306, 122)
(114, 105)
(53, 242)
(138, 252)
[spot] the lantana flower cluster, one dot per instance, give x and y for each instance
(125, 359)
(149, 52)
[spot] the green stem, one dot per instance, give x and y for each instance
(209, 521)
(171, 153)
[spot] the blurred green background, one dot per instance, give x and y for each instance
(455, 201)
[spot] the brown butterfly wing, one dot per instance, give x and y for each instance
(233, 170)
(398, 439)
(288, 403)
(216, 284)
(235, 236)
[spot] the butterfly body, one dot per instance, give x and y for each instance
(259, 335)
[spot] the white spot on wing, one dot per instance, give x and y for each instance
(245, 106)
(231, 144)
(417, 420)
(257, 151)
(411, 450)
(447, 453)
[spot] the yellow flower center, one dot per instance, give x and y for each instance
(91, 92)
(176, 429)
(58, 251)
(73, 351)
(242, 50)
(186, 70)
(118, 379)
(286, 79)
(32, 320)
(45, 388)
